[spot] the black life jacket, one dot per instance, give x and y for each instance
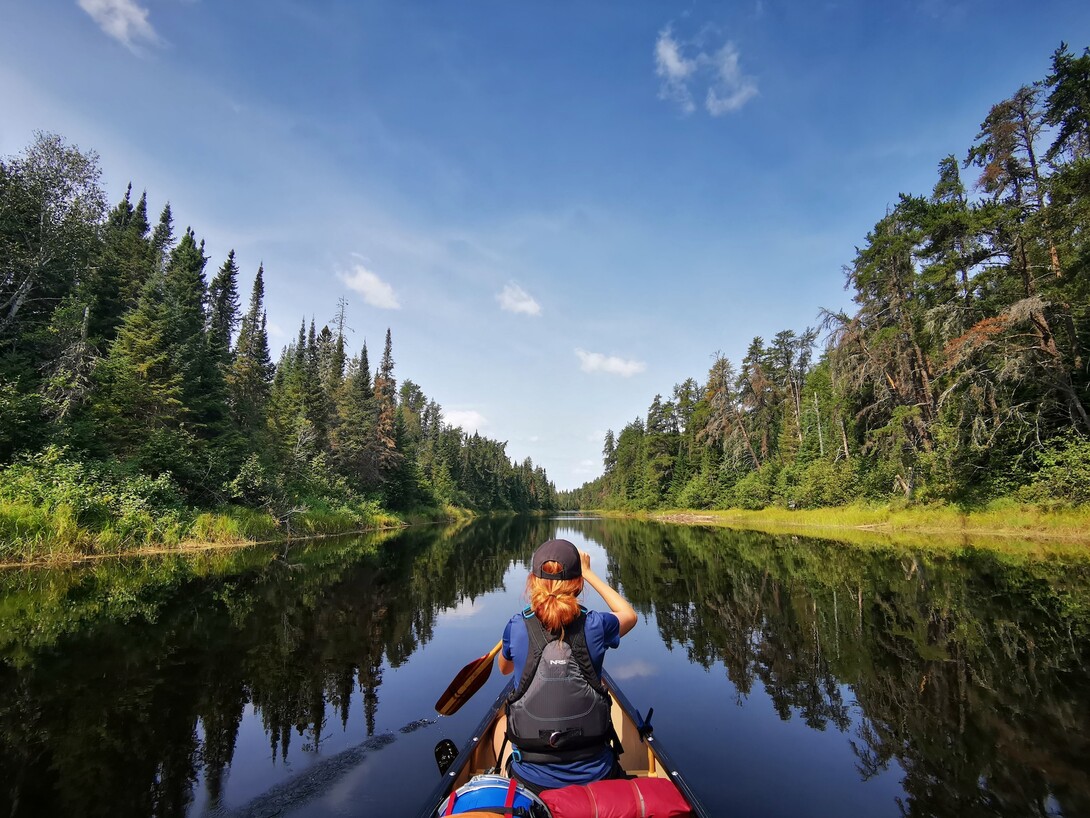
(560, 710)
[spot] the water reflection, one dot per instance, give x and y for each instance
(122, 684)
(139, 688)
(969, 667)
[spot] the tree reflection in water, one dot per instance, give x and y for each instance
(969, 666)
(125, 686)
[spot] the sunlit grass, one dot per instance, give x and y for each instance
(233, 525)
(34, 533)
(28, 531)
(1002, 522)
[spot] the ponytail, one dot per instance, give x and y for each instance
(553, 601)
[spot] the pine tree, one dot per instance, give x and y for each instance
(287, 404)
(162, 239)
(316, 403)
(141, 389)
(1068, 105)
(112, 285)
(250, 376)
(184, 293)
(223, 317)
(384, 452)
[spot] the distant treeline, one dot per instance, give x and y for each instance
(962, 375)
(123, 366)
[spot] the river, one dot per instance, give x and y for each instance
(789, 676)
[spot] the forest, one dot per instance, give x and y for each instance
(139, 401)
(962, 376)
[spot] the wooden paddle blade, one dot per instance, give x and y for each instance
(469, 680)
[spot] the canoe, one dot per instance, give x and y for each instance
(643, 755)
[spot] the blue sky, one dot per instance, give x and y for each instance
(559, 209)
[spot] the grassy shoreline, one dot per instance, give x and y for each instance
(35, 537)
(1001, 524)
(55, 538)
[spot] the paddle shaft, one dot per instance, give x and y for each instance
(469, 680)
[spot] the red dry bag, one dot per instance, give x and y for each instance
(618, 798)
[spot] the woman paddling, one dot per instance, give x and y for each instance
(558, 714)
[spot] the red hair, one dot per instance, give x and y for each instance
(553, 601)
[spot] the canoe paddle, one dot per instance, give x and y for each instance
(469, 680)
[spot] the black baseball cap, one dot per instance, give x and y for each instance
(560, 551)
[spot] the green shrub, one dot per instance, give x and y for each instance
(754, 491)
(1064, 474)
(699, 492)
(825, 484)
(74, 497)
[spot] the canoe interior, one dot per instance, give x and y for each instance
(638, 757)
(641, 757)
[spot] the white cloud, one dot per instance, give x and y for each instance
(469, 420)
(275, 330)
(124, 20)
(587, 467)
(674, 70)
(633, 670)
(728, 88)
(515, 299)
(465, 610)
(733, 89)
(597, 362)
(374, 290)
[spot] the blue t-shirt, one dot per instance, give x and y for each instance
(603, 631)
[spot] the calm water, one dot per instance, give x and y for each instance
(789, 677)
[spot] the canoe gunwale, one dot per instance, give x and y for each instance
(465, 753)
(483, 732)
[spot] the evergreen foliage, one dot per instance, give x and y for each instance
(117, 357)
(961, 375)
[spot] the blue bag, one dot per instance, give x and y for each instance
(495, 794)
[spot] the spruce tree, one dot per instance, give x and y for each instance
(315, 402)
(223, 317)
(184, 293)
(355, 426)
(383, 447)
(141, 390)
(162, 238)
(250, 376)
(111, 286)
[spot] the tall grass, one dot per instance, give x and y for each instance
(935, 523)
(54, 507)
(232, 525)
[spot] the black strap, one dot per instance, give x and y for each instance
(576, 637)
(535, 631)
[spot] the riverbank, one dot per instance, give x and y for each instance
(1001, 524)
(32, 536)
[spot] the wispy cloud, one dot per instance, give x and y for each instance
(733, 89)
(465, 610)
(469, 420)
(633, 670)
(587, 467)
(728, 87)
(597, 362)
(374, 290)
(124, 20)
(674, 71)
(515, 299)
